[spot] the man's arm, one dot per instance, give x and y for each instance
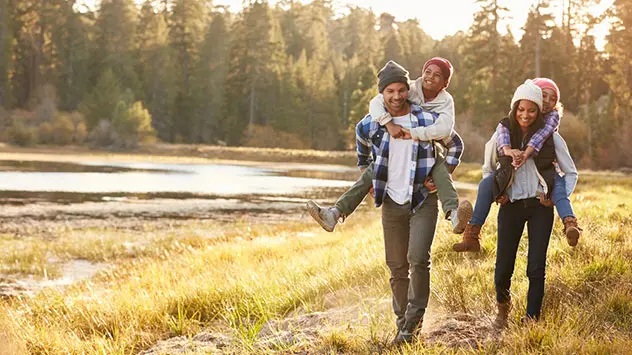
(363, 144)
(454, 146)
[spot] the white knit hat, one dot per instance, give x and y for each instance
(528, 91)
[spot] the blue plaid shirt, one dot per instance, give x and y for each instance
(372, 141)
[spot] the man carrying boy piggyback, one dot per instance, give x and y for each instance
(429, 92)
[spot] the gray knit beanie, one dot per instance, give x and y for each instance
(391, 73)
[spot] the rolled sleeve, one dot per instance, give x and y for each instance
(454, 146)
(363, 145)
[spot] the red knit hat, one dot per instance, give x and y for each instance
(444, 65)
(546, 83)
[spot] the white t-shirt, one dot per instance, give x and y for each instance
(398, 185)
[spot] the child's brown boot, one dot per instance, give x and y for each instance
(571, 230)
(470, 239)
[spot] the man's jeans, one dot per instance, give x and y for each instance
(484, 200)
(511, 220)
(351, 199)
(407, 239)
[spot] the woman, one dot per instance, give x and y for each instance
(524, 195)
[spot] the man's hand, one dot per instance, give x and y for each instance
(372, 191)
(406, 134)
(502, 200)
(395, 130)
(430, 185)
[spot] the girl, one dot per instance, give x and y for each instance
(565, 179)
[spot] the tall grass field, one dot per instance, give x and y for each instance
(291, 288)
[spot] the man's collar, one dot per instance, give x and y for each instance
(415, 109)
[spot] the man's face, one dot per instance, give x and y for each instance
(395, 96)
(549, 98)
(432, 78)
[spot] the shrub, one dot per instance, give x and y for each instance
(268, 137)
(63, 129)
(45, 133)
(21, 134)
(103, 135)
(132, 123)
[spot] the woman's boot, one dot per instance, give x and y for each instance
(470, 239)
(503, 314)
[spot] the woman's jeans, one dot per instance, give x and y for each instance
(485, 198)
(512, 218)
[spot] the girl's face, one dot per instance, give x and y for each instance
(526, 113)
(549, 99)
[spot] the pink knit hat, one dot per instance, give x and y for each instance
(444, 65)
(546, 83)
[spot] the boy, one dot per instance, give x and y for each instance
(428, 91)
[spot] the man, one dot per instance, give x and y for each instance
(409, 210)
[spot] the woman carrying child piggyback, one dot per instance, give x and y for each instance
(512, 158)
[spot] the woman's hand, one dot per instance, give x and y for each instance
(502, 200)
(545, 201)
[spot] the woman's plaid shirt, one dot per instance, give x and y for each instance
(372, 141)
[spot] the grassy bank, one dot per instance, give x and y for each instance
(181, 153)
(234, 279)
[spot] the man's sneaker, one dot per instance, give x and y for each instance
(571, 230)
(461, 216)
(324, 216)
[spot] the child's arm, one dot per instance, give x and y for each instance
(363, 145)
(443, 125)
(503, 142)
(566, 163)
(552, 121)
(378, 112)
(454, 145)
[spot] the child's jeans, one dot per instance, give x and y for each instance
(485, 198)
(560, 198)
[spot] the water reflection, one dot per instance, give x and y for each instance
(199, 179)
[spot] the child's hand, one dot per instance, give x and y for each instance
(430, 185)
(406, 134)
(517, 163)
(394, 130)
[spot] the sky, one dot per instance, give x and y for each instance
(439, 18)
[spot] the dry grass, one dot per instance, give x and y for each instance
(237, 282)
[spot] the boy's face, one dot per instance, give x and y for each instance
(395, 96)
(432, 78)
(549, 98)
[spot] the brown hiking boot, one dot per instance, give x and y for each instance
(470, 239)
(571, 230)
(461, 216)
(503, 314)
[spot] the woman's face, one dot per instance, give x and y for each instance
(549, 98)
(526, 113)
